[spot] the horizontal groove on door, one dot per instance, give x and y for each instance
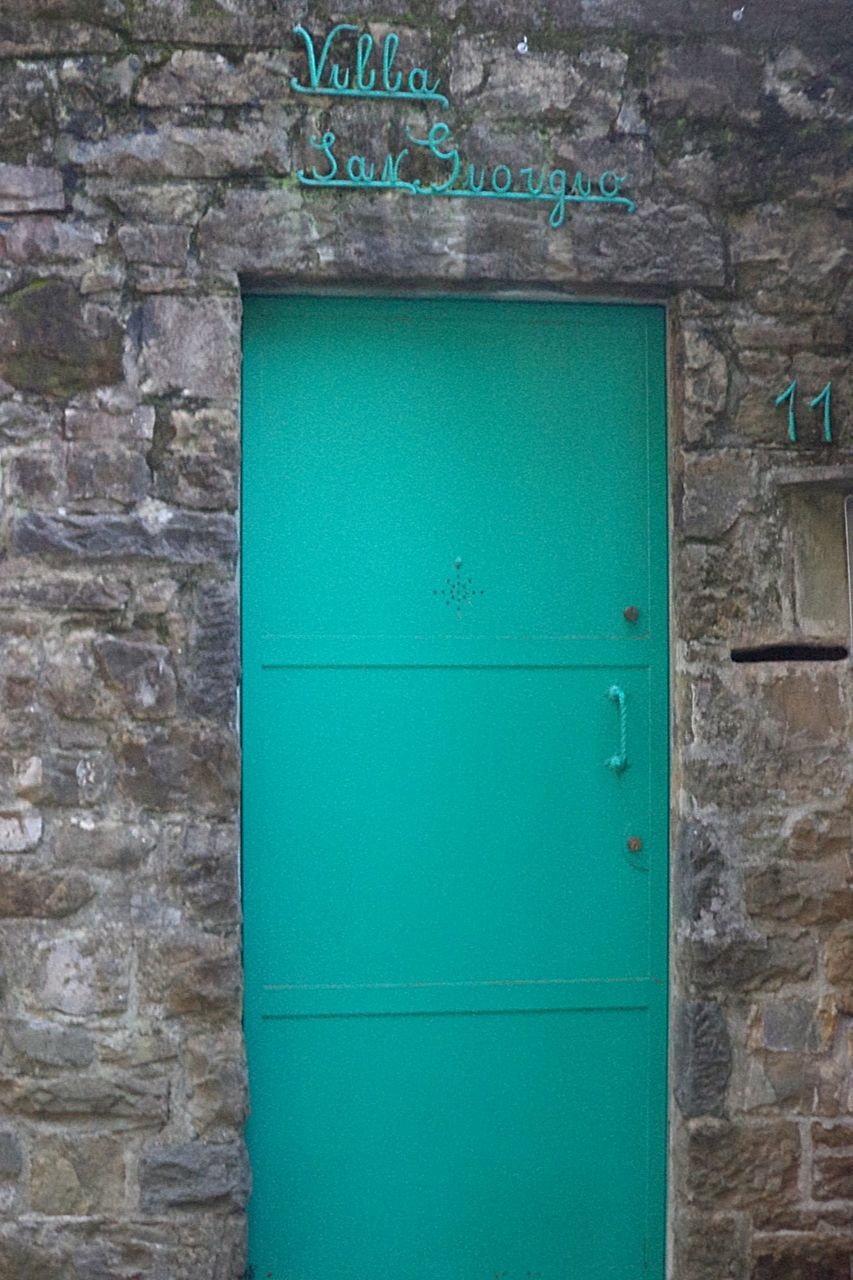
(387, 999)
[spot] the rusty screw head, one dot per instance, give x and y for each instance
(635, 844)
(631, 614)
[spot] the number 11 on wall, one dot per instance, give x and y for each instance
(822, 398)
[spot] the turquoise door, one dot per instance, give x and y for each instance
(455, 963)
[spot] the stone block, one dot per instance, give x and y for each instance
(202, 871)
(808, 706)
(203, 78)
(190, 347)
(702, 1058)
(213, 651)
(833, 1161)
(106, 477)
(53, 343)
(806, 893)
(81, 976)
(822, 833)
(43, 895)
(108, 430)
(819, 1257)
(83, 1174)
(91, 842)
(190, 768)
(27, 112)
(718, 81)
(64, 777)
(191, 974)
(142, 672)
(156, 245)
(216, 1075)
(747, 964)
(46, 1044)
(127, 1101)
(791, 1026)
(36, 478)
(839, 964)
(181, 536)
(716, 491)
(11, 1156)
(194, 1176)
(254, 147)
(20, 830)
(49, 239)
(739, 1166)
(62, 593)
(708, 1247)
(30, 189)
(22, 1258)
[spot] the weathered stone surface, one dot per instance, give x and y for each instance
(200, 77)
(20, 829)
(190, 347)
(50, 1044)
(709, 1248)
(192, 974)
(213, 652)
(202, 871)
(833, 1169)
(186, 769)
(217, 1101)
(810, 893)
(29, 188)
(79, 1175)
(183, 537)
(35, 478)
(82, 977)
(49, 239)
(142, 672)
(256, 147)
(161, 246)
(42, 894)
(819, 1258)
(127, 1100)
(181, 1246)
(64, 777)
(197, 464)
(97, 478)
(716, 491)
(94, 425)
(839, 963)
(737, 1167)
(11, 1156)
(24, 1259)
(194, 1176)
(51, 342)
(748, 964)
(93, 593)
(703, 1058)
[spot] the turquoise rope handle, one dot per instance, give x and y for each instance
(619, 762)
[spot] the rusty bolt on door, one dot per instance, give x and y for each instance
(635, 844)
(631, 614)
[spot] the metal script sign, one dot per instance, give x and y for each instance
(370, 72)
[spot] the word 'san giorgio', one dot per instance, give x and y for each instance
(554, 186)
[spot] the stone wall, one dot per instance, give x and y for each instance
(147, 174)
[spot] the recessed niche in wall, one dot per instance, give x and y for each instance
(816, 623)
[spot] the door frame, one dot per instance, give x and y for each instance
(547, 294)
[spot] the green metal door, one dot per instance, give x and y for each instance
(454, 740)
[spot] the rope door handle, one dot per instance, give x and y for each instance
(619, 762)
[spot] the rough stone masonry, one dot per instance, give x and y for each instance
(147, 175)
